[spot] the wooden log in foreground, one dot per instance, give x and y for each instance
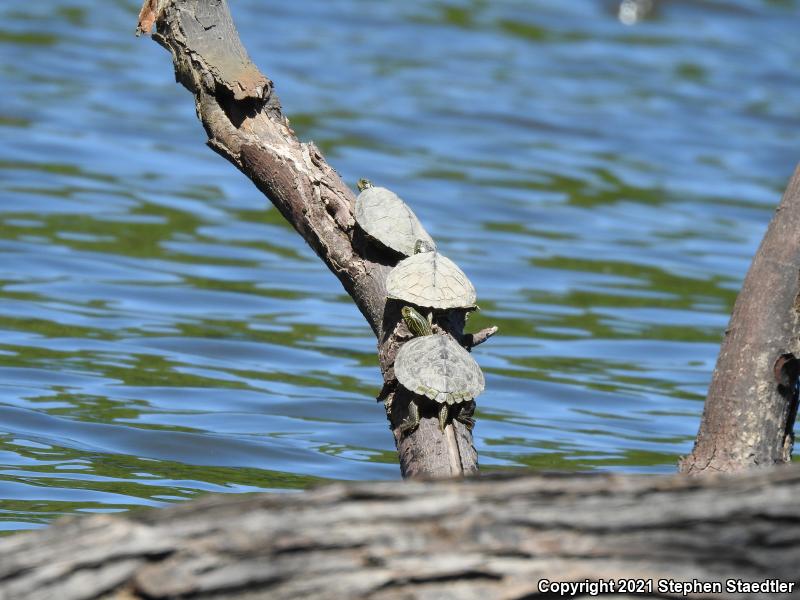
(243, 118)
(482, 538)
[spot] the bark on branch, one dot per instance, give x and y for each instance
(751, 406)
(242, 115)
(473, 539)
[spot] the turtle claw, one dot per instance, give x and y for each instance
(411, 422)
(443, 412)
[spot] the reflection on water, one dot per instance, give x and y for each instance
(165, 333)
(632, 11)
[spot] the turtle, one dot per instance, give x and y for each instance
(437, 367)
(385, 218)
(430, 280)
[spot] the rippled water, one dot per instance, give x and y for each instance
(164, 332)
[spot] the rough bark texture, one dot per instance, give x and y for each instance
(480, 538)
(242, 116)
(751, 406)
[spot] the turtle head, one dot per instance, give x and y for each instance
(421, 246)
(416, 323)
(363, 184)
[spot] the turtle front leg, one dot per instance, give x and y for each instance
(443, 412)
(411, 422)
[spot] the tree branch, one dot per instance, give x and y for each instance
(242, 116)
(751, 406)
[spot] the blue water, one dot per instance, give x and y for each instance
(164, 333)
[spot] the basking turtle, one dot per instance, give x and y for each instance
(385, 218)
(435, 366)
(430, 280)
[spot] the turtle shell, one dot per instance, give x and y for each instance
(437, 367)
(430, 280)
(386, 218)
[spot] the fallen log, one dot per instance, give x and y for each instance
(485, 537)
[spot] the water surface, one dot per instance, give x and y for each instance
(164, 333)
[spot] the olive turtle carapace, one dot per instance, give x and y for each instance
(437, 367)
(389, 221)
(430, 280)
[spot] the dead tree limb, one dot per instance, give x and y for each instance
(473, 539)
(242, 115)
(751, 406)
